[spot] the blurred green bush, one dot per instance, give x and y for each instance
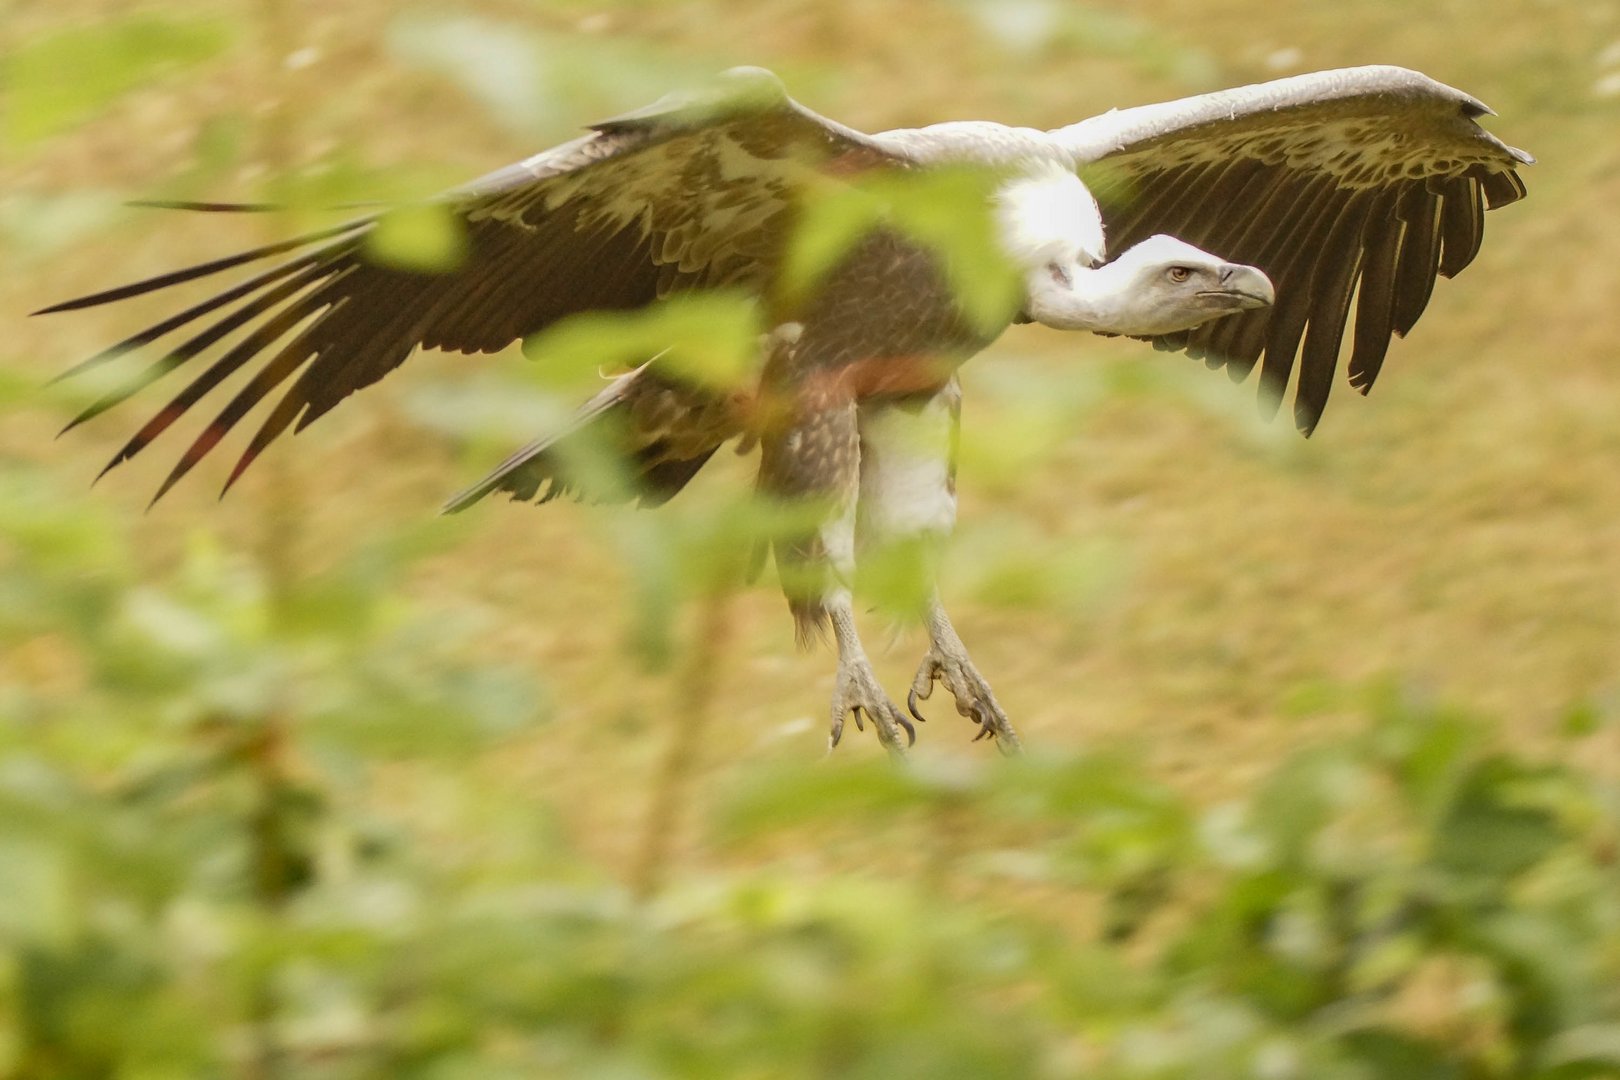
(200, 861)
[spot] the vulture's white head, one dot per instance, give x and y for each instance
(1163, 284)
(1050, 226)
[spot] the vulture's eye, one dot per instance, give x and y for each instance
(1178, 274)
(1060, 274)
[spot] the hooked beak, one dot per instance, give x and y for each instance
(1242, 288)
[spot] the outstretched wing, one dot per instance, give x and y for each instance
(1369, 180)
(694, 191)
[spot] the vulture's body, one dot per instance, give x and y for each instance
(1367, 182)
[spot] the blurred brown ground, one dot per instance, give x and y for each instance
(1459, 530)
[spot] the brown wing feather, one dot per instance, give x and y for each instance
(691, 192)
(1370, 179)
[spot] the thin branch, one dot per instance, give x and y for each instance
(693, 711)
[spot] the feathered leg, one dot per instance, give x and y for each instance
(812, 466)
(908, 500)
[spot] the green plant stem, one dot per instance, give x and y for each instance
(693, 709)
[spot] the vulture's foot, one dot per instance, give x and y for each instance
(858, 691)
(974, 698)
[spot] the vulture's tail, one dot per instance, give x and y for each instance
(640, 438)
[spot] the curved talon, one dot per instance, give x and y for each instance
(946, 664)
(986, 731)
(858, 694)
(911, 706)
(910, 728)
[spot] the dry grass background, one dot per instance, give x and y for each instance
(1458, 531)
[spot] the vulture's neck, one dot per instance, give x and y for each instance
(1101, 299)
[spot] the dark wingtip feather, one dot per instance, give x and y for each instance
(205, 207)
(199, 449)
(190, 273)
(197, 207)
(248, 457)
(125, 452)
(163, 489)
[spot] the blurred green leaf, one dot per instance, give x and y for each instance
(59, 80)
(34, 225)
(1389, 1053)
(428, 239)
(946, 210)
(799, 794)
(1593, 1045)
(710, 339)
(533, 81)
(1490, 830)
(497, 63)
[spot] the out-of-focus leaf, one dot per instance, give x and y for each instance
(1302, 797)
(1007, 564)
(793, 795)
(488, 408)
(947, 211)
(833, 220)
(710, 339)
(1550, 970)
(1489, 831)
(950, 212)
(1585, 717)
(33, 225)
(36, 879)
(1035, 26)
(63, 79)
(1383, 1052)
(1430, 749)
(533, 82)
(428, 239)
(1593, 1045)
(497, 63)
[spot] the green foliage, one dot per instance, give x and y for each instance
(428, 238)
(948, 211)
(709, 339)
(196, 858)
(530, 81)
(1032, 27)
(63, 79)
(194, 774)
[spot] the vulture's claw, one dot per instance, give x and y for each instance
(974, 698)
(911, 704)
(858, 692)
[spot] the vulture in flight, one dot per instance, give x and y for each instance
(1237, 226)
